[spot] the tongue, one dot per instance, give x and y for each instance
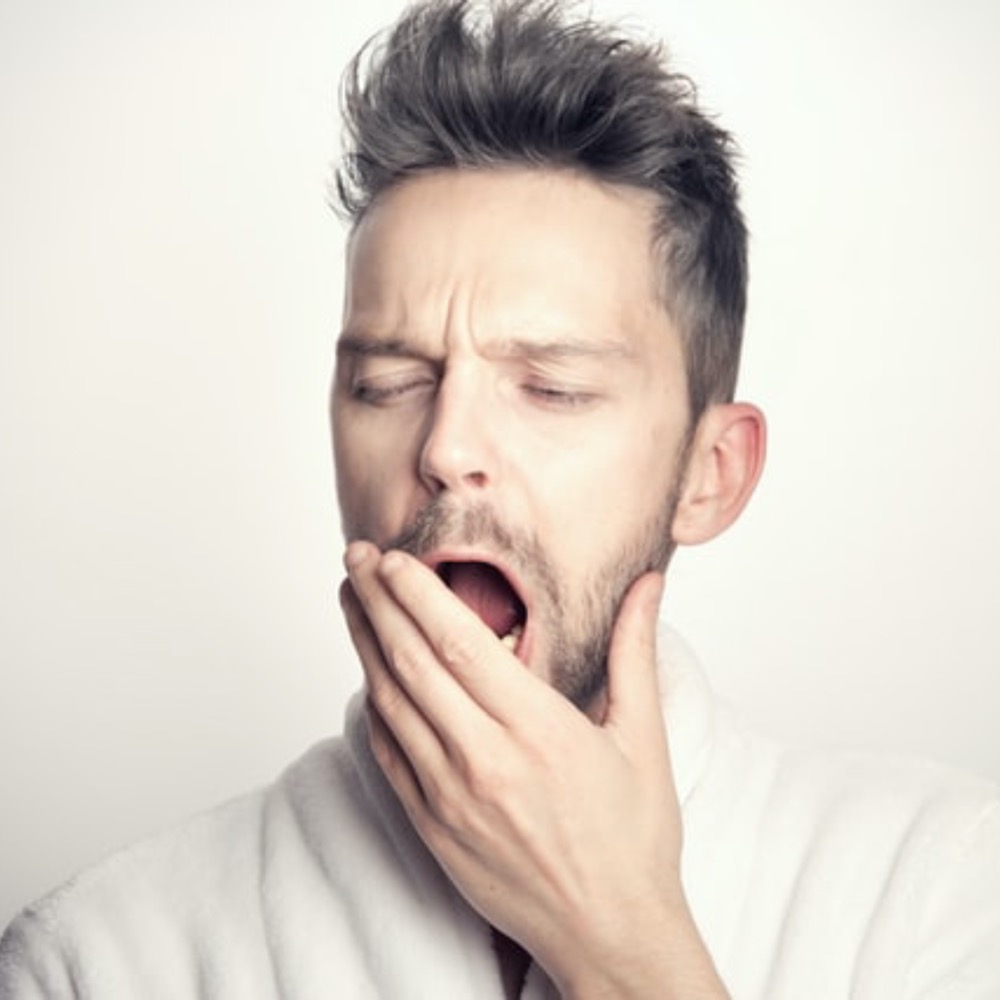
(487, 592)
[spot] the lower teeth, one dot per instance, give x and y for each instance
(510, 639)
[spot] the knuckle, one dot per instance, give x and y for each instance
(405, 662)
(487, 782)
(463, 803)
(449, 809)
(386, 695)
(458, 649)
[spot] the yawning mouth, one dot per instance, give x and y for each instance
(485, 589)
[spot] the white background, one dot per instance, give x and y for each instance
(169, 295)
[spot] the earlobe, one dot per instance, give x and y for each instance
(724, 463)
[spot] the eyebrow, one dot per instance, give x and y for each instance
(562, 347)
(373, 347)
(514, 347)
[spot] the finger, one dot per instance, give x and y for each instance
(414, 665)
(394, 763)
(633, 685)
(389, 622)
(411, 731)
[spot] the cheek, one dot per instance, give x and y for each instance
(375, 481)
(606, 495)
(355, 476)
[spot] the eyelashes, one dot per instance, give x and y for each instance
(387, 382)
(383, 392)
(386, 393)
(558, 396)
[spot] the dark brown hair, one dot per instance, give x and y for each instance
(454, 84)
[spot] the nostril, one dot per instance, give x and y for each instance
(452, 469)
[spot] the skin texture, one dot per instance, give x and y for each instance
(505, 352)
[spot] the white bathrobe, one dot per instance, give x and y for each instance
(811, 876)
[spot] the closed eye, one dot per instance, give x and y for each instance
(385, 391)
(558, 396)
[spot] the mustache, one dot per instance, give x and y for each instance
(442, 521)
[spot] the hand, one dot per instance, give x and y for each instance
(564, 834)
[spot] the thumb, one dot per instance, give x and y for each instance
(633, 689)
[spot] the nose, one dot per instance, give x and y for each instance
(459, 452)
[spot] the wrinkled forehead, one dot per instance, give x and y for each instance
(503, 253)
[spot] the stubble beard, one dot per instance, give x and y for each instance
(578, 632)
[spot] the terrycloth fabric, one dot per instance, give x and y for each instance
(810, 876)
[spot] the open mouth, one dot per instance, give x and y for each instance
(484, 588)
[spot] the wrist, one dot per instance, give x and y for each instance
(664, 960)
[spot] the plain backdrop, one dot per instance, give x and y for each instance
(170, 279)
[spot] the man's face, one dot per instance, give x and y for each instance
(510, 402)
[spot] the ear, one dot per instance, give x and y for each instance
(725, 461)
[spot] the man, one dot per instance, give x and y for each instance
(532, 406)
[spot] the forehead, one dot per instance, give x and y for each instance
(506, 253)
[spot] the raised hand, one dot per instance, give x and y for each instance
(563, 832)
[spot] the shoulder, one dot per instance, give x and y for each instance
(901, 808)
(149, 907)
(849, 806)
(848, 868)
(906, 855)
